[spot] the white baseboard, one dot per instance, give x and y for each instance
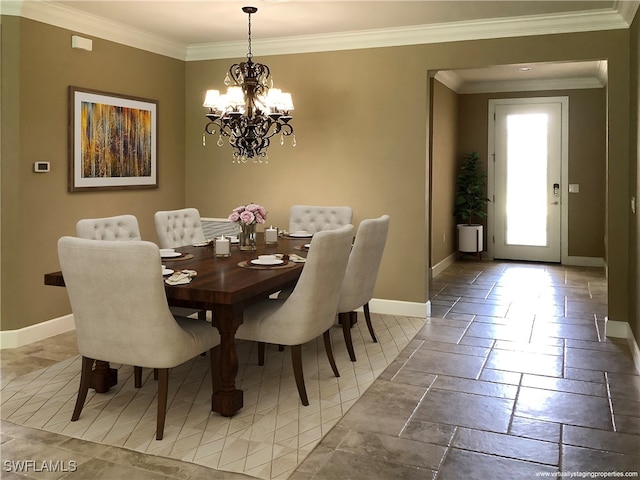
(583, 261)
(618, 329)
(439, 267)
(34, 333)
(396, 307)
(56, 326)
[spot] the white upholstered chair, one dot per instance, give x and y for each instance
(315, 219)
(360, 277)
(177, 228)
(310, 310)
(119, 228)
(121, 314)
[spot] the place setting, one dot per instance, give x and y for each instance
(169, 254)
(273, 261)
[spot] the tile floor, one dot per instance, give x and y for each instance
(510, 378)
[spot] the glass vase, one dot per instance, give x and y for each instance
(248, 236)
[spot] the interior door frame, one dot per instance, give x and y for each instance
(564, 168)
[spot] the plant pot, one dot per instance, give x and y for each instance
(470, 238)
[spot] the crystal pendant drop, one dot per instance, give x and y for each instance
(227, 80)
(220, 142)
(204, 140)
(293, 141)
(281, 139)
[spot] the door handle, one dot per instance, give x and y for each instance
(556, 189)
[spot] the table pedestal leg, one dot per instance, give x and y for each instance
(227, 400)
(103, 377)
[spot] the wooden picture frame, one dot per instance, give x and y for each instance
(113, 141)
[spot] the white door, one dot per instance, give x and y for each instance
(527, 180)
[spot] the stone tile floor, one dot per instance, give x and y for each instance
(512, 377)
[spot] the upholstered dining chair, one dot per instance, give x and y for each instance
(119, 228)
(360, 277)
(310, 310)
(313, 219)
(177, 228)
(121, 314)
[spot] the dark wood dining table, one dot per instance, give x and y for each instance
(223, 286)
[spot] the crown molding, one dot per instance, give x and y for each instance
(98, 27)
(627, 9)
(452, 81)
(417, 35)
(92, 25)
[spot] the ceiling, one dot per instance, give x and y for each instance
(198, 30)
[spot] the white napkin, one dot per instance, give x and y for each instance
(181, 278)
(297, 258)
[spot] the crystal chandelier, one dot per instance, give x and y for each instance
(251, 112)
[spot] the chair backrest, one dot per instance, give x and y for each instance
(118, 301)
(176, 228)
(315, 219)
(364, 263)
(120, 228)
(311, 307)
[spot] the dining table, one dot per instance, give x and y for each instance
(224, 285)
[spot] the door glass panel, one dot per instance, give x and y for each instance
(526, 222)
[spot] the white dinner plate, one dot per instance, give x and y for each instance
(234, 240)
(167, 271)
(301, 235)
(267, 261)
(170, 254)
(307, 245)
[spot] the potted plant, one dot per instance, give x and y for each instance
(471, 202)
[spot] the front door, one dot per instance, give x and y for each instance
(527, 179)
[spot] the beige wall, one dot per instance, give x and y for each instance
(444, 170)
(587, 158)
(361, 125)
(36, 207)
(634, 180)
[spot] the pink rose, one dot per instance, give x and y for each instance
(239, 209)
(252, 207)
(234, 217)
(247, 217)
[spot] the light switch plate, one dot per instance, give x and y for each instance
(574, 188)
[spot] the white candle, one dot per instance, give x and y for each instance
(222, 247)
(271, 235)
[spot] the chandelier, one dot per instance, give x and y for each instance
(251, 112)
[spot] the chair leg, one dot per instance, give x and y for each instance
(216, 380)
(137, 377)
(296, 359)
(155, 374)
(367, 317)
(85, 381)
(329, 350)
(163, 388)
(281, 348)
(261, 353)
(345, 320)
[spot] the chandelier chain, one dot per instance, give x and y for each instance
(249, 54)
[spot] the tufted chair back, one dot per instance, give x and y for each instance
(176, 228)
(314, 219)
(360, 277)
(121, 228)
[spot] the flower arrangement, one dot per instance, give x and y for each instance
(248, 214)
